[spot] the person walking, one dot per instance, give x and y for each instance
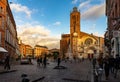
(59, 60)
(7, 62)
(106, 66)
(38, 61)
(116, 65)
(100, 60)
(45, 61)
(94, 62)
(111, 61)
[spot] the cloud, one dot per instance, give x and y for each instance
(30, 30)
(97, 34)
(94, 12)
(74, 1)
(57, 23)
(20, 8)
(84, 4)
(33, 34)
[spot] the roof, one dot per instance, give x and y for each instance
(41, 46)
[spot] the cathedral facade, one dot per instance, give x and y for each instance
(79, 43)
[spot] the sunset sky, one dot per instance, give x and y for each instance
(43, 21)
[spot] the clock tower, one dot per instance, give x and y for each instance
(74, 28)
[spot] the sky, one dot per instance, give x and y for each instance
(43, 21)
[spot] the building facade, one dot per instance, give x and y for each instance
(3, 7)
(29, 51)
(112, 35)
(8, 33)
(25, 49)
(79, 43)
(11, 40)
(40, 50)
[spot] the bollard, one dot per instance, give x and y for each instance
(24, 78)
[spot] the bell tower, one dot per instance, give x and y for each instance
(74, 29)
(75, 21)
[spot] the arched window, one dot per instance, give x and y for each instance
(88, 41)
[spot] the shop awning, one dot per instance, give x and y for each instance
(3, 50)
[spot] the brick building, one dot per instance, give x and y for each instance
(112, 35)
(3, 7)
(8, 33)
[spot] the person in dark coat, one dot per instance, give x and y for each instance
(45, 61)
(38, 61)
(59, 60)
(94, 62)
(100, 61)
(106, 66)
(111, 61)
(7, 62)
(116, 65)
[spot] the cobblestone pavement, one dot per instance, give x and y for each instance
(75, 72)
(111, 77)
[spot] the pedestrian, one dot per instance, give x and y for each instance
(38, 61)
(116, 65)
(100, 60)
(74, 58)
(45, 61)
(94, 62)
(59, 60)
(80, 58)
(30, 62)
(7, 62)
(67, 58)
(111, 61)
(106, 66)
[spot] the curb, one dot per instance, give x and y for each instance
(9, 71)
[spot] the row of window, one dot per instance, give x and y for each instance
(11, 26)
(1, 10)
(10, 32)
(2, 23)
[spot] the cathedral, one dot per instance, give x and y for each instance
(79, 43)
